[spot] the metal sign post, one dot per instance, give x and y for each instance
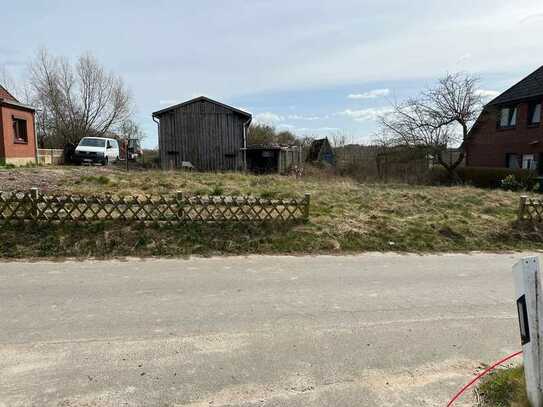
(530, 312)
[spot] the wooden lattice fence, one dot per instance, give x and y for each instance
(35, 206)
(531, 209)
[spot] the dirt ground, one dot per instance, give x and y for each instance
(51, 179)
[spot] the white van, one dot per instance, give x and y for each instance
(97, 150)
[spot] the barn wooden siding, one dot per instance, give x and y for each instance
(208, 135)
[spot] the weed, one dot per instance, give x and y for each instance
(504, 388)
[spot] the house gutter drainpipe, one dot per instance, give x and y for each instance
(36, 137)
(159, 149)
(245, 128)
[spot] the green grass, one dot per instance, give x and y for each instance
(504, 388)
(345, 217)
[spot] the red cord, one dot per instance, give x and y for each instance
(480, 375)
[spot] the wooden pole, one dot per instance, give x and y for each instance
(180, 210)
(527, 277)
(306, 208)
(522, 207)
(126, 143)
(34, 195)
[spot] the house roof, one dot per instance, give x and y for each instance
(199, 99)
(529, 87)
(4, 94)
(268, 147)
(7, 98)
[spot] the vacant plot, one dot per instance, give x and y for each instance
(345, 216)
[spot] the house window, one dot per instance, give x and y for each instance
(524, 161)
(508, 117)
(19, 131)
(529, 162)
(514, 161)
(534, 113)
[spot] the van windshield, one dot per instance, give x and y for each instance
(92, 142)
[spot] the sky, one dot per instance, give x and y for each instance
(316, 68)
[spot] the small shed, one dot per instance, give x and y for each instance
(321, 151)
(209, 135)
(274, 158)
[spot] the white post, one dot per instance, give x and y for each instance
(529, 302)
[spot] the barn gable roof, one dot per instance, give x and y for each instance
(205, 99)
(531, 86)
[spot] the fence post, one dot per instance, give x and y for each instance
(34, 194)
(307, 201)
(180, 210)
(522, 207)
(527, 277)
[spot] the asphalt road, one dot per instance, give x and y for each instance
(370, 330)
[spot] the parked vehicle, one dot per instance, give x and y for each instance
(97, 150)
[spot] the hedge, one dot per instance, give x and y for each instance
(487, 177)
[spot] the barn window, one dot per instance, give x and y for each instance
(20, 134)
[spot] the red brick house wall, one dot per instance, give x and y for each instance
(11, 151)
(489, 145)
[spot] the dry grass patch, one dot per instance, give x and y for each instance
(346, 216)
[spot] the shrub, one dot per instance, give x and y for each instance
(510, 183)
(487, 177)
(217, 190)
(101, 180)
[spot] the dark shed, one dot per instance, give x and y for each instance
(209, 135)
(321, 151)
(272, 158)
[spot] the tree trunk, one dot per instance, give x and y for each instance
(451, 168)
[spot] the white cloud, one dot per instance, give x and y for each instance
(372, 94)
(464, 58)
(169, 102)
(531, 17)
(298, 117)
(363, 115)
(487, 94)
(268, 118)
(316, 129)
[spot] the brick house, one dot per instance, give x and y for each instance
(508, 133)
(17, 137)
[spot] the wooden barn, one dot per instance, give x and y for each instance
(203, 134)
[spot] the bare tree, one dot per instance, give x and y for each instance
(438, 118)
(130, 130)
(76, 100)
(6, 80)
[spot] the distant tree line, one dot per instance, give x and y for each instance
(266, 134)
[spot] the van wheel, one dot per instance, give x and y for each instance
(106, 161)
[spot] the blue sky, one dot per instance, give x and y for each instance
(313, 67)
